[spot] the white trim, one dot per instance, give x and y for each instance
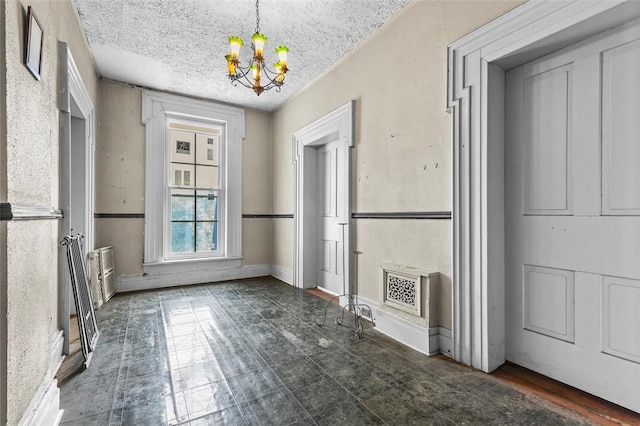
(80, 95)
(72, 87)
(284, 275)
(44, 408)
(423, 339)
(189, 276)
(55, 354)
(335, 126)
(156, 106)
(475, 68)
(445, 342)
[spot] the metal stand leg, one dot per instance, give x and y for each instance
(352, 304)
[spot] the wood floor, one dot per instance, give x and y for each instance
(74, 362)
(594, 409)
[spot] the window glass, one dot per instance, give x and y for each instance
(207, 149)
(182, 237)
(182, 204)
(195, 218)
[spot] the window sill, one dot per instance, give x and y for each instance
(190, 265)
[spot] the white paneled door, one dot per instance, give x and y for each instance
(330, 232)
(572, 204)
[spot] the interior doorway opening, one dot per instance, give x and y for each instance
(322, 158)
(76, 181)
(476, 97)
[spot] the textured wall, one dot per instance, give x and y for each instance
(257, 234)
(120, 155)
(403, 138)
(3, 225)
(32, 178)
(120, 174)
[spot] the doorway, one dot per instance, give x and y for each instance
(476, 96)
(76, 178)
(331, 221)
(322, 158)
(572, 212)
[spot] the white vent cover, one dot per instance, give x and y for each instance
(410, 292)
(403, 292)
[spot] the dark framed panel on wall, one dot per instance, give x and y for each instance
(33, 51)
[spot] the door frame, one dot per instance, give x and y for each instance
(73, 92)
(476, 100)
(335, 126)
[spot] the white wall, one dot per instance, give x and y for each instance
(403, 139)
(31, 167)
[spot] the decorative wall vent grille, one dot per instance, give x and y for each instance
(410, 293)
(402, 290)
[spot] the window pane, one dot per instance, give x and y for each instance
(182, 204)
(181, 175)
(207, 236)
(182, 146)
(182, 237)
(207, 206)
(207, 149)
(207, 177)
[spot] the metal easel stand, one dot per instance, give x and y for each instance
(352, 304)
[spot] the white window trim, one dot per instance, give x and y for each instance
(156, 107)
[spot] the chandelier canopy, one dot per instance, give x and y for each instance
(256, 75)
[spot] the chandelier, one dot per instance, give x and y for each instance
(257, 75)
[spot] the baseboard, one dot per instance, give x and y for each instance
(282, 274)
(44, 408)
(446, 343)
(55, 354)
(148, 281)
(422, 339)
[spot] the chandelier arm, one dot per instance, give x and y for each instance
(267, 70)
(242, 73)
(272, 83)
(237, 81)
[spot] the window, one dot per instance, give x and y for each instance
(193, 187)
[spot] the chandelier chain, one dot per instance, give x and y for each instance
(257, 16)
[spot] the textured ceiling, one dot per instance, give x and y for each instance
(179, 45)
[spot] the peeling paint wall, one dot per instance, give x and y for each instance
(403, 140)
(120, 179)
(32, 168)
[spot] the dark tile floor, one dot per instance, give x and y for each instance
(248, 352)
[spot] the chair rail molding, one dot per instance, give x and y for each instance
(11, 211)
(475, 98)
